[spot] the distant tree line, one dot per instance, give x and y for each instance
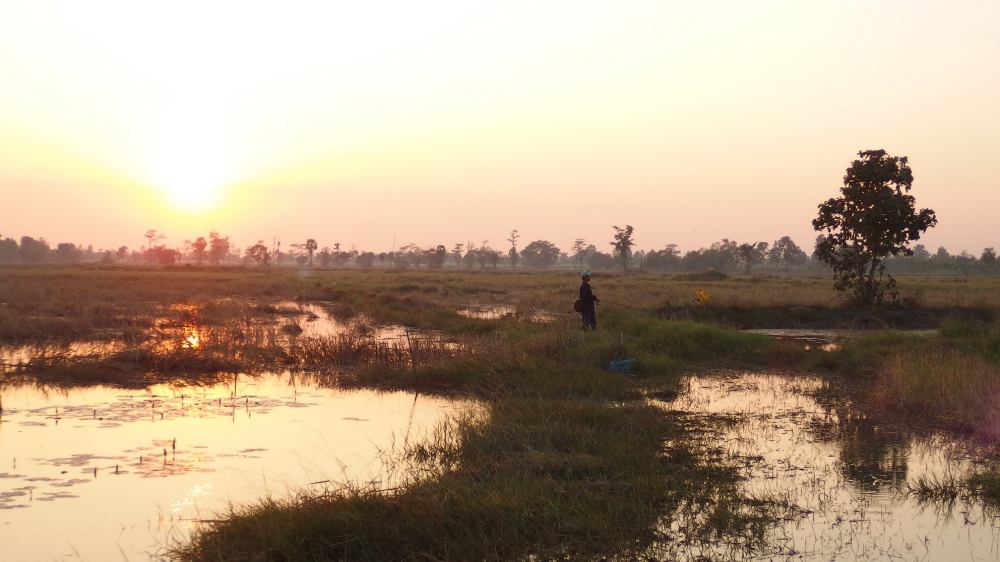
(31, 250)
(781, 255)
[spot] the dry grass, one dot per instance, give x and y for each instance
(955, 387)
(44, 303)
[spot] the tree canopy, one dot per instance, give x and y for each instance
(623, 243)
(540, 253)
(874, 217)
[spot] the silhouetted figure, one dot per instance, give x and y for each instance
(588, 302)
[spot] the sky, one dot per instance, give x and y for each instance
(442, 122)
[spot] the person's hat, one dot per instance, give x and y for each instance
(585, 274)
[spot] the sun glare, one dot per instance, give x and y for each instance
(190, 162)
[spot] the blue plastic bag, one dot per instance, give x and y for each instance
(623, 366)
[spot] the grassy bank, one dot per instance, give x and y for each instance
(953, 379)
(566, 461)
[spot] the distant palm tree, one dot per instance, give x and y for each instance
(311, 246)
(153, 236)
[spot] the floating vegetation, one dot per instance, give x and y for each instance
(153, 461)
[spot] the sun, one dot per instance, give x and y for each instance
(189, 164)
(192, 182)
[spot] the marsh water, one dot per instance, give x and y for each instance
(846, 478)
(825, 340)
(102, 473)
(99, 473)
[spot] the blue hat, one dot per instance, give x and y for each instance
(585, 274)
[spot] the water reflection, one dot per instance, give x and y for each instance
(288, 334)
(846, 472)
(94, 469)
(41, 354)
(821, 340)
(498, 312)
(305, 321)
(192, 337)
(825, 340)
(871, 457)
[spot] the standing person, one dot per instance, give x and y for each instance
(588, 302)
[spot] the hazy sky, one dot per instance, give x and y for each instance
(442, 122)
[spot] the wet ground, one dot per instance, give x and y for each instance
(97, 473)
(847, 477)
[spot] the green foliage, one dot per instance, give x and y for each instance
(218, 247)
(540, 253)
(874, 217)
(259, 254)
(786, 253)
(623, 243)
(751, 254)
(198, 248)
(34, 251)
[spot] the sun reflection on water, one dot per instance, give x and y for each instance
(192, 337)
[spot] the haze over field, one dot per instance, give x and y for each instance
(445, 121)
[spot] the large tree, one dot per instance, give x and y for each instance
(436, 256)
(874, 217)
(198, 247)
(988, 257)
(622, 244)
(259, 254)
(9, 252)
(218, 247)
(365, 259)
(751, 254)
(67, 252)
(540, 253)
(34, 251)
(785, 252)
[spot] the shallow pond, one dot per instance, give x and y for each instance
(499, 312)
(101, 473)
(849, 476)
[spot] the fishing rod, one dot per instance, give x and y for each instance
(626, 306)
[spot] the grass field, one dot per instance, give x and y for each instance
(565, 460)
(42, 303)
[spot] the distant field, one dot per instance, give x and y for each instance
(49, 302)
